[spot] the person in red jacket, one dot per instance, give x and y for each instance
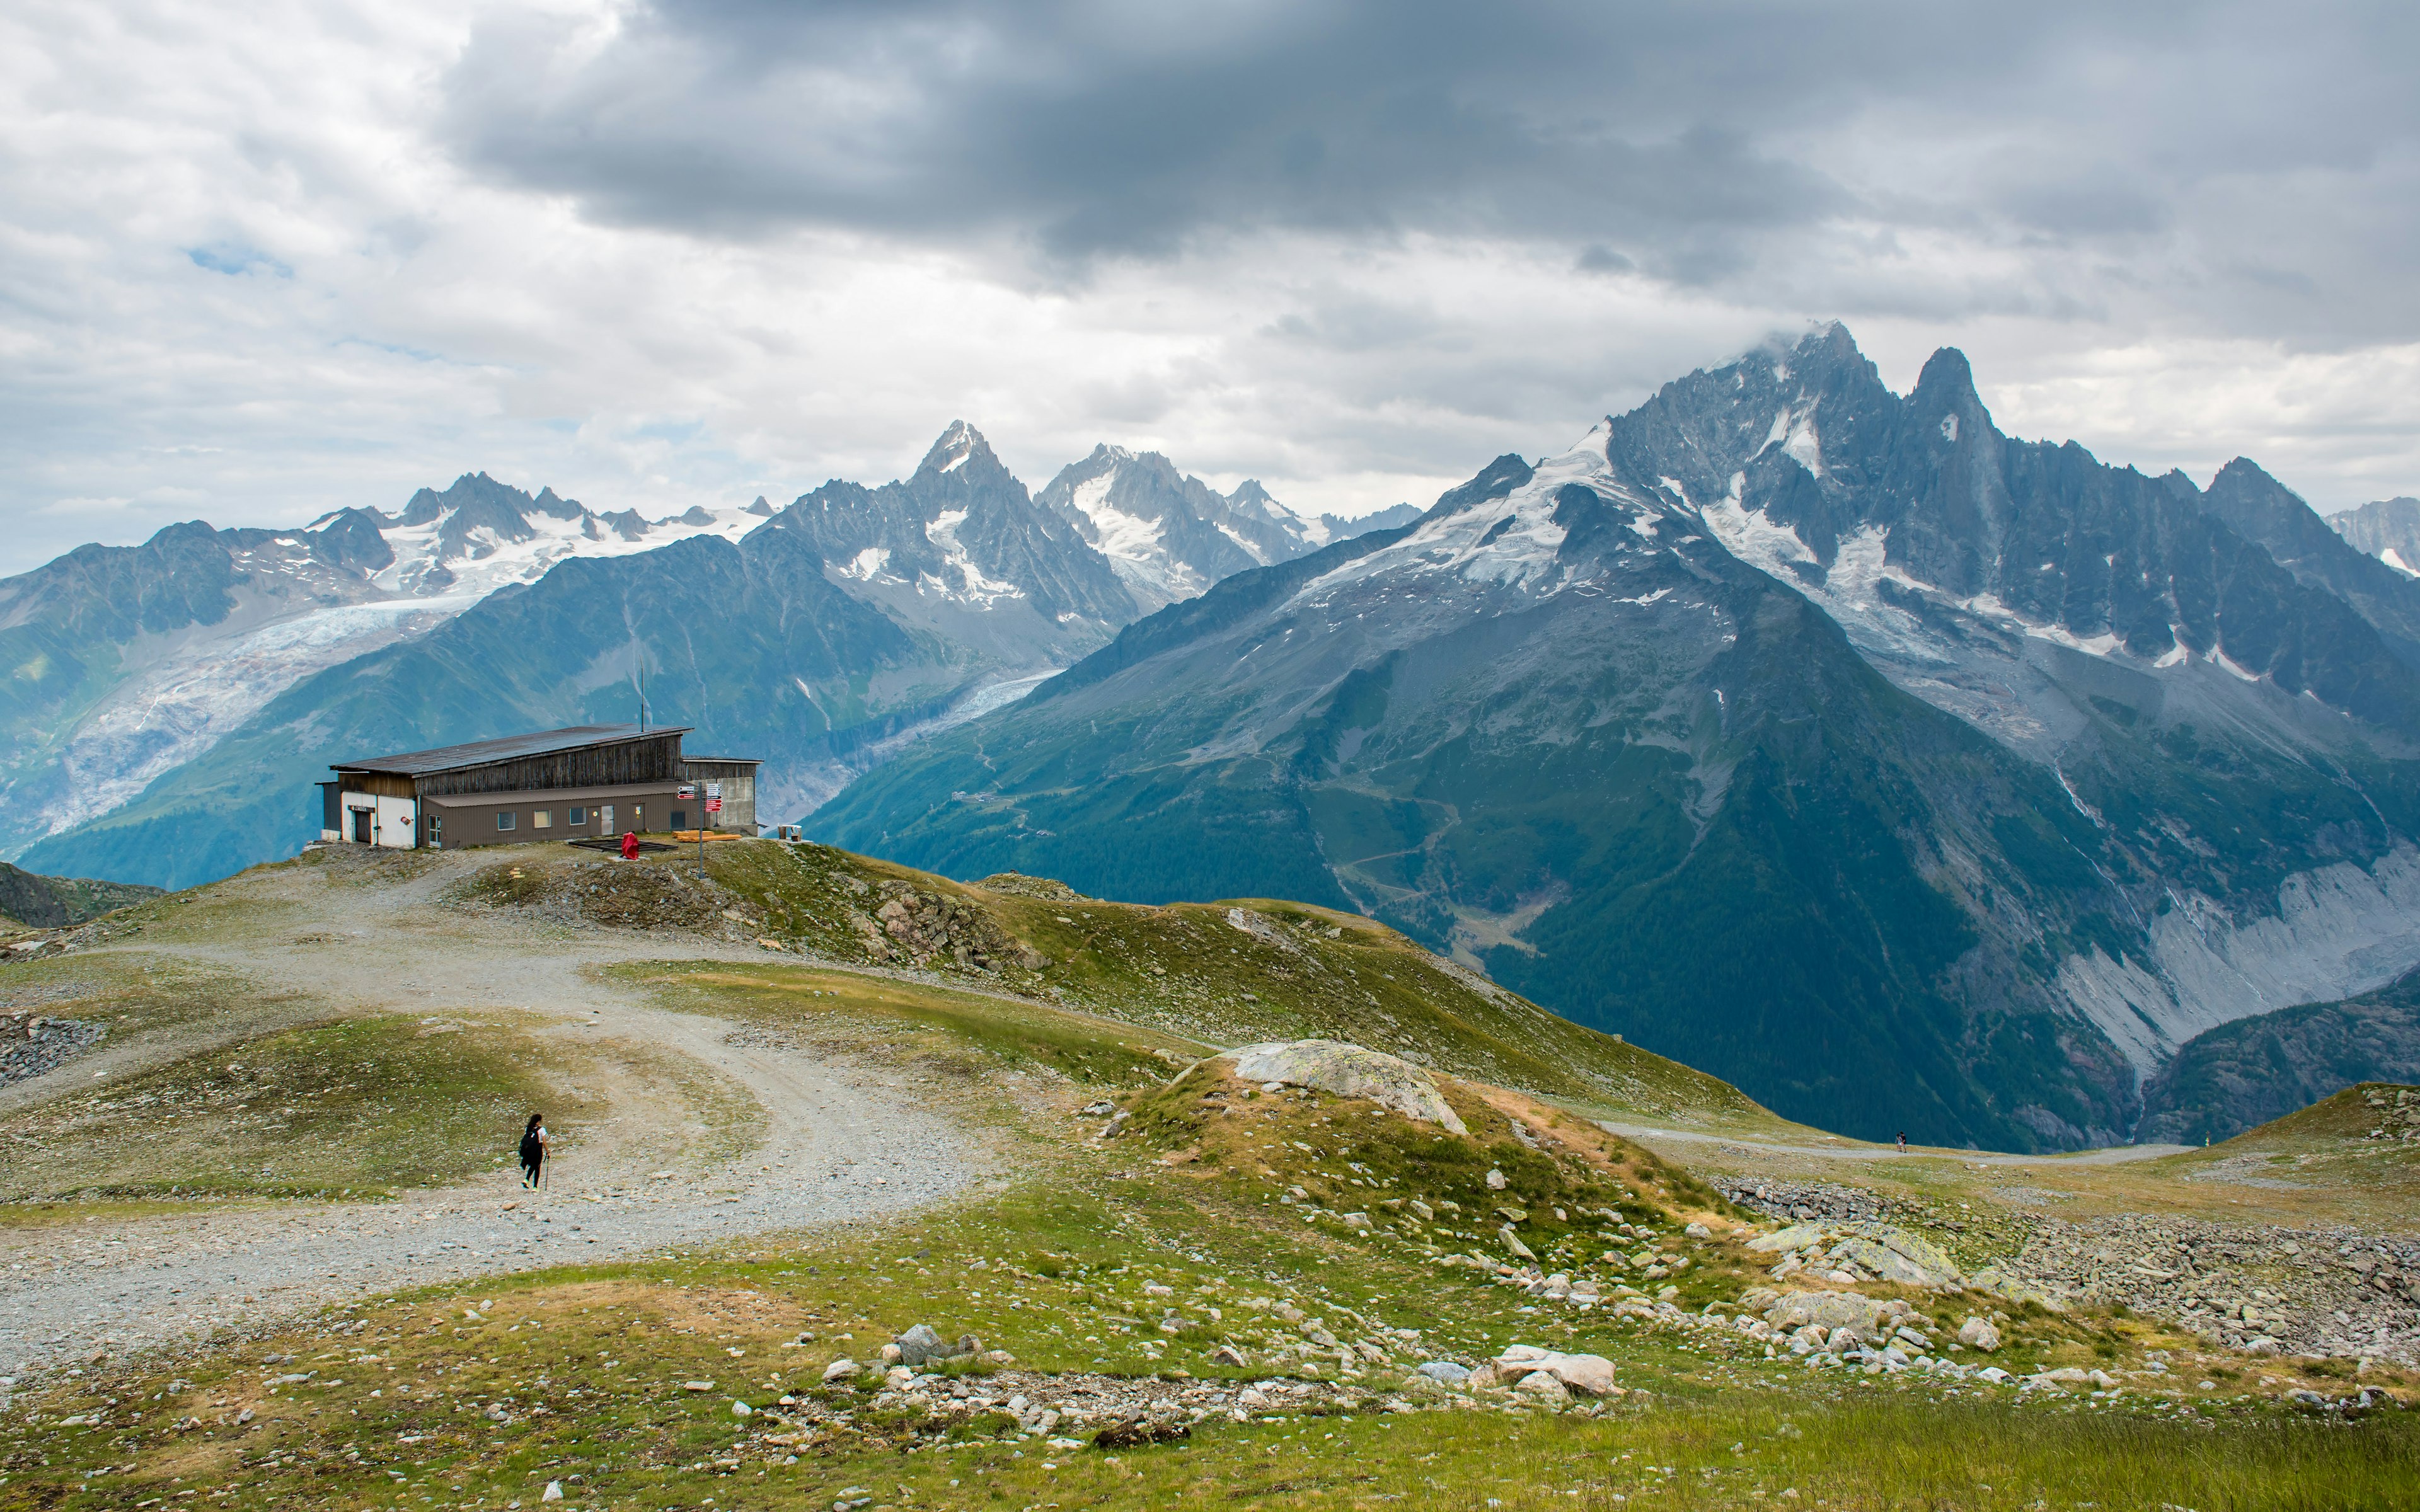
(630, 845)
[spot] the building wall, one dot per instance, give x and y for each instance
(738, 784)
(467, 821)
(399, 822)
(457, 810)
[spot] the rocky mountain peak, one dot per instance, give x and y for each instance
(1946, 385)
(960, 447)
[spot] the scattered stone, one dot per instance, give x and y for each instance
(1445, 1372)
(839, 1369)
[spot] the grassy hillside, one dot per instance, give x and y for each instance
(1215, 974)
(1180, 1286)
(32, 901)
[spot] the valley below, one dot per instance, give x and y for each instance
(874, 1189)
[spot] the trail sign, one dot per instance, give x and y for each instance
(688, 790)
(714, 806)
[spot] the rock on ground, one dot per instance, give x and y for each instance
(1349, 1071)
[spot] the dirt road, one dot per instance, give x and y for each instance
(1653, 1135)
(837, 1141)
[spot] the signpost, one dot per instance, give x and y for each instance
(687, 791)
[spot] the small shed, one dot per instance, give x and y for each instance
(551, 784)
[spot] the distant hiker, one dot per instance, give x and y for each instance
(630, 845)
(1903, 1141)
(534, 1140)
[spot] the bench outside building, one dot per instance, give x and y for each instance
(587, 781)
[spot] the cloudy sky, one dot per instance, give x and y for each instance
(258, 261)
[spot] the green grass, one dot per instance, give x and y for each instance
(607, 1351)
(1184, 970)
(358, 1105)
(968, 1035)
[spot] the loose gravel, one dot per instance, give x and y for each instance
(838, 1146)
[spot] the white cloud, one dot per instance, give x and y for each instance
(265, 261)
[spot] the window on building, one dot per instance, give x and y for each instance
(576, 817)
(541, 819)
(507, 821)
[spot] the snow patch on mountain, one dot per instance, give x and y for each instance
(194, 689)
(1513, 542)
(430, 562)
(974, 586)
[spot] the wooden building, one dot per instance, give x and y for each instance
(555, 784)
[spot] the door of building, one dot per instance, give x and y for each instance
(362, 832)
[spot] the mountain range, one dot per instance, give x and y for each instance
(171, 702)
(2388, 530)
(1905, 774)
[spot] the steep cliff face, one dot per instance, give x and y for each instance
(1904, 772)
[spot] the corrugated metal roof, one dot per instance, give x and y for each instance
(506, 748)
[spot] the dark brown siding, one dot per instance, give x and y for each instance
(384, 784)
(471, 819)
(647, 758)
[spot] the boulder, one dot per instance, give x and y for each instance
(1977, 1335)
(1833, 1310)
(1797, 1236)
(1998, 1282)
(1445, 1372)
(919, 1345)
(1543, 1385)
(1589, 1374)
(838, 1370)
(1885, 1263)
(1511, 1243)
(1349, 1071)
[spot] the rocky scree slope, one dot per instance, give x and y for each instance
(1908, 776)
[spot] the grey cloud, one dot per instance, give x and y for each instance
(1704, 144)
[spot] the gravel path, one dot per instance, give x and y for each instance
(838, 1144)
(2115, 1155)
